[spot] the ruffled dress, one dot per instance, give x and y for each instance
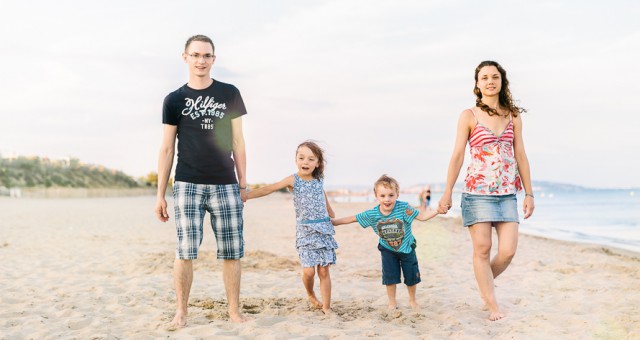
(314, 231)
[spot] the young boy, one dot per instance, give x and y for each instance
(391, 221)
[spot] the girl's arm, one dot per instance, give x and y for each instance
(425, 215)
(344, 220)
(523, 167)
(268, 189)
(465, 124)
(329, 210)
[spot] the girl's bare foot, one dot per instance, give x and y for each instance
(313, 301)
(414, 305)
(392, 306)
(327, 311)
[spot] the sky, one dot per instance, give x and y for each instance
(379, 84)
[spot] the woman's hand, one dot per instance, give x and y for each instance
(528, 206)
(445, 203)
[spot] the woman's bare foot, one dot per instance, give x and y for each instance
(496, 315)
(313, 301)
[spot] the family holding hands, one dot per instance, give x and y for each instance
(205, 115)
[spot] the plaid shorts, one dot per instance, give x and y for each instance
(224, 205)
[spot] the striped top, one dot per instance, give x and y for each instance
(393, 230)
(493, 169)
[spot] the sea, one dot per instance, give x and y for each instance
(608, 217)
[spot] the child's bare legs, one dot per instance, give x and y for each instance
(412, 297)
(391, 294)
(308, 276)
(325, 288)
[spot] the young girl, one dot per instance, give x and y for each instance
(314, 231)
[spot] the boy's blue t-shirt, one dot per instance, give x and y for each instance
(394, 229)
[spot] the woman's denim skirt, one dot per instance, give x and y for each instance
(488, 208)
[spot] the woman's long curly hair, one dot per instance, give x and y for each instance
(504, 97)
(318, 172)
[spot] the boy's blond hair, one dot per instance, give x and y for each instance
(387, 182)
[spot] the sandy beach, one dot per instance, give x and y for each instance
(100, 268)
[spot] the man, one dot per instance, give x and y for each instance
(205, 115)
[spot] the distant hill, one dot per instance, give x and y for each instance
(28, 172)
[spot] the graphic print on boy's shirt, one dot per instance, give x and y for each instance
(391, 231)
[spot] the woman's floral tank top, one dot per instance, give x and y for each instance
(493, 169)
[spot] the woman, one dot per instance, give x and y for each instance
(499, 168)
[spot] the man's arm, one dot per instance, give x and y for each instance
(165, 162)
(239, 155)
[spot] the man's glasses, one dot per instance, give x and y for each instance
(206, 57)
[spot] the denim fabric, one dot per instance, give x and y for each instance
(488, 208)
(393, 262)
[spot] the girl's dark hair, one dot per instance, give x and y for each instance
(504, 97)
(318, 172)
(199, 37)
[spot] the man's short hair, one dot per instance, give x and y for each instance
(387, 182)
(199, 37)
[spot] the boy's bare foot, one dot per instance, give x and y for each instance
(327, 311)
(179, 321)
(414, 305)
(313, 301)
(238, 318)
(393, 306)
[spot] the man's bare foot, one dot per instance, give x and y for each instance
(414, 305)
(179, 321)
(313, 301)
(238, 318)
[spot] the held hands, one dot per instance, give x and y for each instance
(445, 204)
(161, 210)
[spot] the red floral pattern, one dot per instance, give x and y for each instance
(493, 169)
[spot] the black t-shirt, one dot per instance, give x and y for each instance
(204, 135)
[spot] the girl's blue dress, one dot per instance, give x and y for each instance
(314, 231)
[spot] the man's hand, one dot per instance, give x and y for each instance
(161, 210)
